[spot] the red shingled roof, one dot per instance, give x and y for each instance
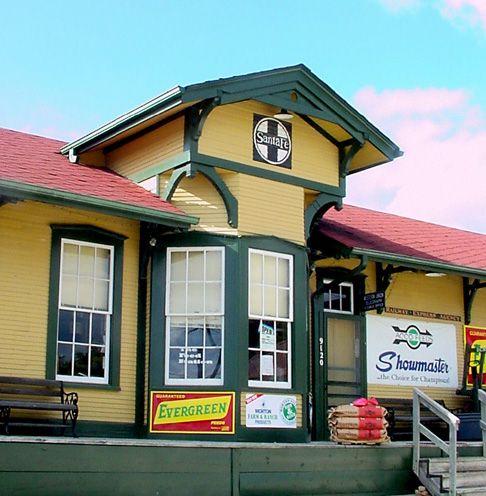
(356, 227)
(35, 160)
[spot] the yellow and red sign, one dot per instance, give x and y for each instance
(475, 337)
(185, 412)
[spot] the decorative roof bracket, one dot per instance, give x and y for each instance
(470, 290)
(205, 109)
(346, 156)
(190, 170)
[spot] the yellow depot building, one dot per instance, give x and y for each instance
(190, 271)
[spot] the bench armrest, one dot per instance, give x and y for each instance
(70, 398)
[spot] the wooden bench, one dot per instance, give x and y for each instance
(400, 419)
(20, 393)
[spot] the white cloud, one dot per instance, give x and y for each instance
(442, 176)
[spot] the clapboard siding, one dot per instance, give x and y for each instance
(24, 293)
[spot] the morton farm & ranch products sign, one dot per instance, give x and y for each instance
(185, 412)
(403, 352)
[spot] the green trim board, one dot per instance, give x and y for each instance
(268, 174)
(23, 191)
(190, 170)
(94, 235)
(319, 100)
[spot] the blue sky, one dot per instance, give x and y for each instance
(415, 68)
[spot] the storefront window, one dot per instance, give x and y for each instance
(195, 316)
(270, 300)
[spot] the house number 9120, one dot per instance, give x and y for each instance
(321, 352)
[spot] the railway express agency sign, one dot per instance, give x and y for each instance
(411, 353)
(272, 141)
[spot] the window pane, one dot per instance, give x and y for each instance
(70, 259)
(176, 364)
(177, 332)
(195, 332)
(267, 366)
(98, 330)
(178, 266)
(213, 297)
(68, 291)
(270, 302)
(283, 272)
(86, 261)
(213, 266)
(270, 267)
(102, 265)
(85, 293)
(97, 361)
(254, 334)
(101, 296)
(177, 301)
(256, 300)
(283, 303)
(335, 300)
(254, 365)
(64, 359)
(196, 266)
(282, 367)
(213, 332)
(195, 297)
(213, 363)
(282, 336)
(346, 299)
(81, 360)
(65, 331)
(195, 363)
(82, 327)
(256, 268)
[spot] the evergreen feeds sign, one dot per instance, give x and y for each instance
(272, 141)
(411, 353)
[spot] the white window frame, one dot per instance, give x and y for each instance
(289, 320)
(341, 285)
(168, 315)
(87, 379)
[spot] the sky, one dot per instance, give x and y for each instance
(415, 68)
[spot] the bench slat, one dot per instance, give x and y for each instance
(31, 392)
(40, 405)
(30, 380)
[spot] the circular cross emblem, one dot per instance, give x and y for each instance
(288, 410)
(272, 141)
(413, 337)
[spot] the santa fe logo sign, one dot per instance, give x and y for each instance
(272, 141)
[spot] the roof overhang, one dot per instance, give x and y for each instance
(295, 88)
(14, 191)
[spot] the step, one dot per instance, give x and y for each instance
(464, 464)
(466, 479)
(472, 491)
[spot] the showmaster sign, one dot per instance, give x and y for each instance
(411, 353)
(272, 141)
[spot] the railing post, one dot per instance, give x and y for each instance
(482, 420)
(416, 433)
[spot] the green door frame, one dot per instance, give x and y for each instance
(320, 361)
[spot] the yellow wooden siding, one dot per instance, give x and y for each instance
(270, 208)
(298, 398)
(197, 196)
(148, 150)
(228, 134)
(366, 157)
(25, 244)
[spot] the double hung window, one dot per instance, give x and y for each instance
(194, 315)
(270, 302)
(85, 309)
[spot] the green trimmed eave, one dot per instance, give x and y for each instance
(143, 115)
(20, 191)
(295, 88)
(420, 264)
